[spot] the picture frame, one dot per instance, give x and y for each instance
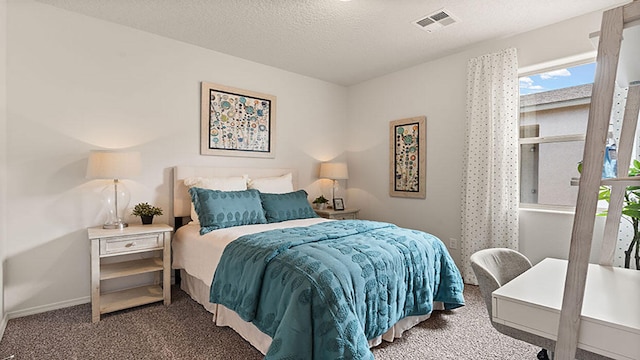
(236, 122)
(338, 204)
(408, 157)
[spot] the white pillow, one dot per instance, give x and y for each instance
(233, 183)
(273, 185)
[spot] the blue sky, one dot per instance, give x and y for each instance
(557, 79)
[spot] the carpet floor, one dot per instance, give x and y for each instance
(184, 330)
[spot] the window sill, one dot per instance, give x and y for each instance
(548, 209)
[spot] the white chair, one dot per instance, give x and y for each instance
(494, 268)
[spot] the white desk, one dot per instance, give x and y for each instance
(610, 322)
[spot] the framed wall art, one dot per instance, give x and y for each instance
(236, 122)
(408, 157)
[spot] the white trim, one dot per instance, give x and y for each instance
(569, 61)
(549, 209)
(49, 307)
(553, 209)
(552, 139)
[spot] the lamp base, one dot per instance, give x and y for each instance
(116, 199)
(118, 226)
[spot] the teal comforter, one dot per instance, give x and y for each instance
(321, 291)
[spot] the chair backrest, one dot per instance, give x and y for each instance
(495, 267)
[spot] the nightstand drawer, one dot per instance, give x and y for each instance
(131, 244)
(346, 214)
(350, 216)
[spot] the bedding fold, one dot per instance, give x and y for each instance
(321, 291)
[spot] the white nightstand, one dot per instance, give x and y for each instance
(106, 243)
(346, 214)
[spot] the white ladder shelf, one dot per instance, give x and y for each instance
(613, 23)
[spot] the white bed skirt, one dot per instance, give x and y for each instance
(199, 291)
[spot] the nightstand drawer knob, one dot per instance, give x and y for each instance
(134, 243)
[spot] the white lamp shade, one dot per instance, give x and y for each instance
(334, 171)
(109, 164)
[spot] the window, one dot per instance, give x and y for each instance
(554, 109)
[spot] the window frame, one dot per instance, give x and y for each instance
(563, 63)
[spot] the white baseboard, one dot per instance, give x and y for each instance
(44, 308)
(49, 307)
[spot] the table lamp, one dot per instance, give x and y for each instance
(114, 165)
(335, 172)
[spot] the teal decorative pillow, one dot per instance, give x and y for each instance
(289, 206)
(222, 209)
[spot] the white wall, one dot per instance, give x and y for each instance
(437, 89)
(75, 84)
(3, 153)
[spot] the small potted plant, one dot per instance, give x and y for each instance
(320, 202)
(146, 212)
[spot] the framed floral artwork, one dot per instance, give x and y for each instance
(237, 122)
(408, 157)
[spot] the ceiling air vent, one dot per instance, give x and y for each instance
(435, 21)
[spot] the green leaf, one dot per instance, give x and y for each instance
(631, 213)
(604, 194)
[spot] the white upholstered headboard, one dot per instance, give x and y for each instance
(181, 198)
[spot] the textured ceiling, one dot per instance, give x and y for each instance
(337, 41)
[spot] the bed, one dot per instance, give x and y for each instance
(288, 327)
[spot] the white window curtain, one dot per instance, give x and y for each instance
(490, 190)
